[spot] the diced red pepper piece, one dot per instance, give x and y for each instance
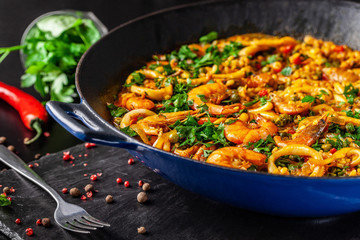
(339, 49)
(297, 60)
(291, 131)
(286, 49)
(263, 93)
(333, 150)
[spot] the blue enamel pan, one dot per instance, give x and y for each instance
(104, 67)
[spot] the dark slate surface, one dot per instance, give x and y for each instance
(170, 213)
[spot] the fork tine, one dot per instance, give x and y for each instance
(71, 228)
(85, 222)
(79, 225)
(94, 220)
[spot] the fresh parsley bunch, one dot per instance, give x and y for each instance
(52, 49)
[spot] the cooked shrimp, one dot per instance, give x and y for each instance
(199, 155)
(261, 80)
(340, 75)
(131, 101)
(290, 108)
(152, 125)
(236, 157)
(307, 134)
(242, 133)
(187, 152)
(214, 92)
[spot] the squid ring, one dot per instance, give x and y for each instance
(348, 152)
(268, 106)
(295, 149)
(134, 114)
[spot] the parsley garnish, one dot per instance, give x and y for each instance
(191, 132)
(263, 146)
(116, 111)
(128, 131)
(137, 78)
(53, 48)
(248, 104)
(355, 114)
(308, 99)
(4, 201)
(211, 36)
(350, 93)
(286, 71)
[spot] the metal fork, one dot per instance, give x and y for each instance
(67, 215)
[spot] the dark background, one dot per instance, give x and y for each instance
(15, 16)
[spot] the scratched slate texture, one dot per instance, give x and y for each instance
(170, 213)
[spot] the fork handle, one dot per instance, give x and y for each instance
(13, 161)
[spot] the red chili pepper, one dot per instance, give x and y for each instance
(64, 190)
(32, 112)
(263, 93)
(93, 177)
(141, 183)
(324, 77)
(18, 221)
(119, 180)
(126, 184)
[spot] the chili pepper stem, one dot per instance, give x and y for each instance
(36, 125)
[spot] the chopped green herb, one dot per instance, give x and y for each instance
(137, 78)
(4, 201)
(53, 48)
(308, 99)
(286, 71)
(211, 36)
(248, 104)
(263, 146)
(116, 111)
(350, 92)
(127, 130)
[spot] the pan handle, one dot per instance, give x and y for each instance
(94, 128)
